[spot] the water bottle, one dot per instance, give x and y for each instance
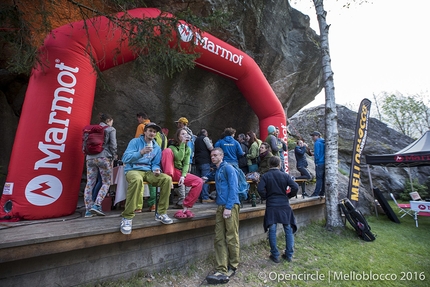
(253, 200)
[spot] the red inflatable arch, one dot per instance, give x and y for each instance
(45, 169)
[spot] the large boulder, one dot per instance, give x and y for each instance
(380, 140)
(275, 35)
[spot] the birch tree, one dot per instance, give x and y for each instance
(331, 132)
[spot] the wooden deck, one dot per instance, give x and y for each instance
(30, 242)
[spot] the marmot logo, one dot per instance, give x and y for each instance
(185, 32)
(43, 190)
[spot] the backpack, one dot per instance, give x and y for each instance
(93, 139)
(357, 220)
(242, 184)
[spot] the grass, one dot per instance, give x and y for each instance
(400, 255)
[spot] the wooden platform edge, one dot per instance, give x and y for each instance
(112, 235)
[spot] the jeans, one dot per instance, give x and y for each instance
(320, 177)
(289, 240)
(253, 167)
(304, 173)
(282, 158)
(97, 187)
(202, 170)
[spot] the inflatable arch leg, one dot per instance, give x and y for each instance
(45, 167)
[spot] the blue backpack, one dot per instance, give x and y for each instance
(242, 184)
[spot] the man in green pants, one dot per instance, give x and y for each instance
(142, 164)
(226, 243)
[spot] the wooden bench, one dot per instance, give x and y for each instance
(118, 179)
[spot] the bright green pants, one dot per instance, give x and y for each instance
(151, 200)
(135, 179)
(227, 246)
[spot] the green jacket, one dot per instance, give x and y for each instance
(182, 154)
(253, 153)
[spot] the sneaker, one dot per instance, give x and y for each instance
(208, 200)
(164, 218)
(284, 256)
(97, 210)
(231, 271)
(89, 214)
(274, 259)
(152, 208)
(126, 226)
(217, 278)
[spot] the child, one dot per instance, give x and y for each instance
(273, 188)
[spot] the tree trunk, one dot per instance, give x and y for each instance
(331, 132)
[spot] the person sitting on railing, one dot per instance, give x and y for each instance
(176, 163)
(300, 152)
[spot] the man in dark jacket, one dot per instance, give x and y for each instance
(272, 188)
(202, 160)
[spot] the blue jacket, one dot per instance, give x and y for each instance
(232, 149)
(319, 151)
(133, 160)
(226, 187)
(300, 152)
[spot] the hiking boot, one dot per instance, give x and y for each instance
(231, 271)
(126, 226)
(274, 259)
(164, 218)
(89, 214)
(152, 208)
(284, 256)
(217, 278)
(97, 210)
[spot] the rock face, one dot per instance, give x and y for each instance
(275, 35)
(381, 140)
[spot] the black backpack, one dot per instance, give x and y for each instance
(356, 219)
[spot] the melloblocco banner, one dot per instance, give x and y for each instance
(357, 150)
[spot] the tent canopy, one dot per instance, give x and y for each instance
(415, 154)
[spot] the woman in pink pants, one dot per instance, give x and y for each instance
(175, 161)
